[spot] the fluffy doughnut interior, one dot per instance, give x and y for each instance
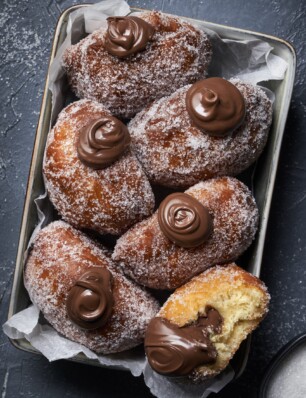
(240, 298)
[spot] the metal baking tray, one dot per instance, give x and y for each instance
(262, 181)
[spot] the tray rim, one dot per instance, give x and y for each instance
(23, 344)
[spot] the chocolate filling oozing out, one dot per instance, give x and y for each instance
(184, 220)
(175, 351)
(90, 301)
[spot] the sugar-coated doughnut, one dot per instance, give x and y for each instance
(74, 283)
(213, 128)
(166, 261)
(202, 324)
(136, 60)
(103, 189)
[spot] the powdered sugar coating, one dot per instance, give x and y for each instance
(151, 259)
(174, 152)
(108, 200)
(178, 54)
(60, 255)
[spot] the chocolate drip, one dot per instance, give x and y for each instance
(184, 220)
(90, 300)
(216, 106)
(127, 35)
(102, 142)
(175, 351)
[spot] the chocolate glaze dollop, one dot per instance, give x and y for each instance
(127, 35)
(216, 106)
(175, 351)
(90, 301)
(102, 142)
(184, 220)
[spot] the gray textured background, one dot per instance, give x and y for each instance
(26, 33)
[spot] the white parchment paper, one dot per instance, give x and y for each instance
(53, 346)
(249, 60)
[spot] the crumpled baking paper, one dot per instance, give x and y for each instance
(249, 60)
(53, 346)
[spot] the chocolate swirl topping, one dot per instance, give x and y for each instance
(90, 301)
(102, 142)
(216, 106)
(184, 220)
(175, 351)
(127, 35)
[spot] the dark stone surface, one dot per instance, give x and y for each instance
(27, 28)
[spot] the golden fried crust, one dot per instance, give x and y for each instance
(108, 200)
(178, 54)
(151, 259)
(175, 153)
(59, 257)
(240, 298)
